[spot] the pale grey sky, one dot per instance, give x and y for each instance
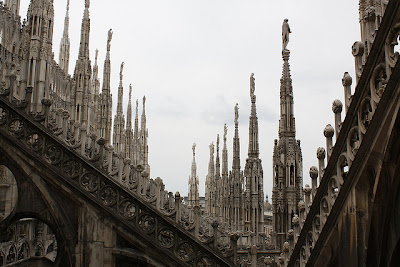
(192, 59)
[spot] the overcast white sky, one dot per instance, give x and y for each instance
(193, 58)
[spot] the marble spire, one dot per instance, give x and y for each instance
(65, 44)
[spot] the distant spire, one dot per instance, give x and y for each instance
(193, 196)
(65, 44)
(96, 82)
(225, 154)
(253, 124)
(217, 163)
(129, 110)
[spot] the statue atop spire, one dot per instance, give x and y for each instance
(110, 34)
(236, 113)
(285, 34)
(225, 132)
(194, 149)
(252, 85)
(87, 3)
(121, 70)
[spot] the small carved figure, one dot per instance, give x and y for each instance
(225, 132)
(236, 113)
(121, 70)
(110, 34)
(285, 34)
(194, 148)
(252, 85)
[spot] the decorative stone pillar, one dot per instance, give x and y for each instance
(347, 81)
(314, 177)
(196, 211)
(328, 133)
(234, 238)
(307, 192)
(178, 207)
(214, 225)
(321, 162)
(337, 107)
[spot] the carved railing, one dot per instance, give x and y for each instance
(108, 179)
(378, 79)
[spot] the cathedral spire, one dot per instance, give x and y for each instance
(287, 120)
(193, 196)
(236, 142)
(217, 163)
(65, 44)
(225, 154)
(85, 30)
(253, 124)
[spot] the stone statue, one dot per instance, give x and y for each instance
(194, 149)
(110, 34)
(285, 34)
(225, 132)
(97, 54)
(121, 70)
(252, 85)
(236, 113)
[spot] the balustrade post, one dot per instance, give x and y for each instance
(253, 255)
(291, 239)
(234, 238)
(125, 179)
(321, 162)
(120, 166)
(77, 127)
(286, 253)
(196, 211)
(65, 116)
(28, 99)
(178, 207)
(46, 108)
(302, 211)
(337, 107)
(296, 228)
(347, 81)
(158, 192)
(110, 150)
(328, 133)
(314, 179)
(307, 192)
(83, 141)
(358, 53)
(214, 225)
(101, 142)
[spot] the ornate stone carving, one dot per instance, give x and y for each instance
(185, 252)
(147, 223)
(127, 209)
(90, 181)
(166, 238)
(52, 154)
(34, 141)
(16, 127)
(108, 195)
(71, 168)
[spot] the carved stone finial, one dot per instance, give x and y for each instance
(252, 85)
(96, 55)
(87, 3)
(313, 172)
(130, 91)
(337, 106)
(347, 80)
(329, 131)
(144, 100)
(321, 153)
(285, 34)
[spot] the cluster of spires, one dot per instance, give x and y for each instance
(234, 198)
